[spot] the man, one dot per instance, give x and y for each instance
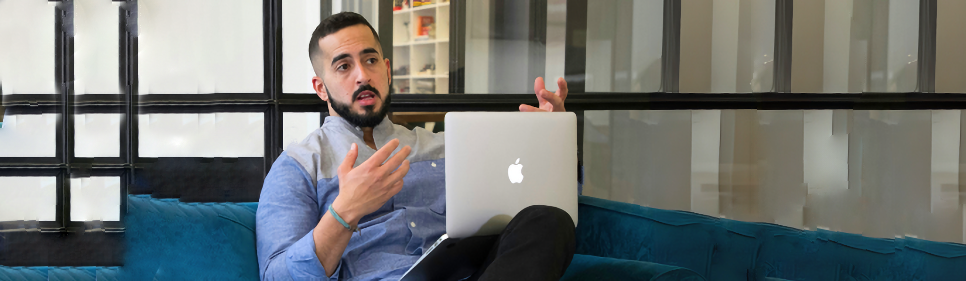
(360, 171)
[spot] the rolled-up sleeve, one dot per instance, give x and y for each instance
(288, 211)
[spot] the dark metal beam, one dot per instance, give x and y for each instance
(671, 47)
(927, 46)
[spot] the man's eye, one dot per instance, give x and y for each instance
(371, 60)
(342, 67)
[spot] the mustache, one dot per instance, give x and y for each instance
(367, 87)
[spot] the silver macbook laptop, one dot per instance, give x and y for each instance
(498, 163)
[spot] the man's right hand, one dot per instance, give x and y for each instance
(363, 189)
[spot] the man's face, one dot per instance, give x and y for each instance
(356, 77)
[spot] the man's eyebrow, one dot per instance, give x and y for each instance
(340, 57)
(369, 51)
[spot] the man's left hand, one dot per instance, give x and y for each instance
(549, 102)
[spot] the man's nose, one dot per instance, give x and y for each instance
(362, 76)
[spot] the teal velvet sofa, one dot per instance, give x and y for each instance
(171, 240)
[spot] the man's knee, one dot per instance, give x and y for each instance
(547, 216)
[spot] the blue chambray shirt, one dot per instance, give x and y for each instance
(303, 182)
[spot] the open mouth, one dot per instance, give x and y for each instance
(366, 98)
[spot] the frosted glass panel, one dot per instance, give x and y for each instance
(32, 135)
(297, 125)
(727, 46)
(500, 57)
(950, 43)
(27, 67)
(96, 47)
(97, 135)
(28, 198)
(299, 19)
(201, 135)
(95, 199)
(624, 45)
(885, 46)
(200, 47)
(881, 174)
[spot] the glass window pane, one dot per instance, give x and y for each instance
(727, 46)
(28, 66)
(950, 43)
(876, 173)
(95, 199)
(29, 135)
(885, 46)
(420, 48)
(624, 45)
(96, 47)
(201, 135)
(297, 125)
(192, 47)
(97, 135)
(299, 19)
(28, 198)
(860, 46)
(500, 56)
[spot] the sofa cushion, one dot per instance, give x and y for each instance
(584, 267)
(170, 240)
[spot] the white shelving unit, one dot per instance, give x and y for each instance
(426, 61)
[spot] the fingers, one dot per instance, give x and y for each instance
(397, 159)
(553, 100)
(382, 154)
(350, 159)
(562, 89)
(538, 85)
(399, 173)
(395, 188)
(530, 108)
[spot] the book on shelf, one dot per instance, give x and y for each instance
(417, 3)
(425, 28)
(398, 5)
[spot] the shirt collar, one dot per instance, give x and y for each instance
(380, 134)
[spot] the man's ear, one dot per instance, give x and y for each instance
(389, 70)
(320, 89)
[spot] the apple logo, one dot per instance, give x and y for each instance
(515, 172)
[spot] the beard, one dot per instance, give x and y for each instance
(370, 118)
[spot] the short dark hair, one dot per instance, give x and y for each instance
(333, 24)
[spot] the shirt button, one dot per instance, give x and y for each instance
(413, 224)
(434, 164)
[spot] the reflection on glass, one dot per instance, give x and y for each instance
(29, 135)
(201, 135)
(28, 198)
(95, 199)
(624, 45)
(27, 67)
(97, 135)
(96, 47)
(192, 47)
(876, 173)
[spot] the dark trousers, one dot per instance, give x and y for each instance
(538, 244)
